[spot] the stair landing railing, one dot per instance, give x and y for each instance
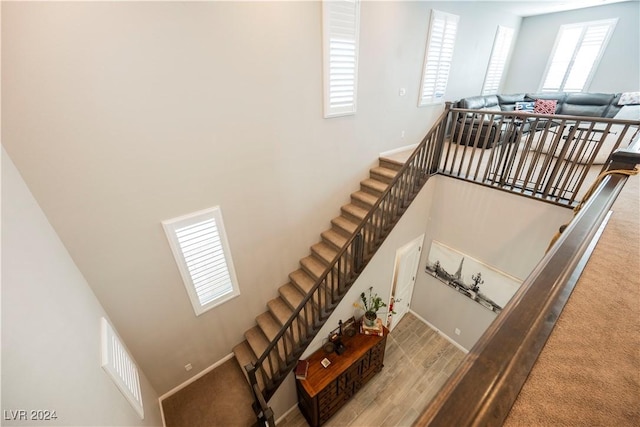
(547, 157)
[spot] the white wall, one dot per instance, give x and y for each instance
(619, 69)
(51, 326)
(122, 114)
(505, 231)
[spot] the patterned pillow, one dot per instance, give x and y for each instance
(525, 106)
(629, 98)
(545, 106)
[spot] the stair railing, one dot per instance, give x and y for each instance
(279, 358)
(547, 157)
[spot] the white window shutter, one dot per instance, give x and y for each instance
(576, 55)
(200, 247)
(498, 60)
(438, 57)
(341, 28)
(120, 366)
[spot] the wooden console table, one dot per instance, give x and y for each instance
(327, 389)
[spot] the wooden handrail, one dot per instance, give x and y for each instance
(484, 387)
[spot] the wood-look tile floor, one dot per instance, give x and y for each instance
(417, 362)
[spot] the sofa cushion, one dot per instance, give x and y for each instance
(508, 102)
(586, 104)
(473, 102)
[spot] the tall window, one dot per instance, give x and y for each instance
(437, 57)
(340, 28)
(576, 53)
(498, 60)
(201, 250)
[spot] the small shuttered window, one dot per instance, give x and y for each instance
(341, 27)
(498, 60)
(438, 57)
(576, 54)
(120, 366)
(200, 247)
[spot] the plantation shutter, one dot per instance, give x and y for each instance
(576, 54)
(438, 56)
(202, 253)
(341, 27)
(498, 60)
(120, 366)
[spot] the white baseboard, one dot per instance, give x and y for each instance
(195, 377)
(283, 416)
(398, 150)
(447, 337)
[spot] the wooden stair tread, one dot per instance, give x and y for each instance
(291, 295)
(244, 355)
(324, 251)
(366, 199)
(259, 343)
(374, 186)
(269, 325)
(282, 312)
(302, 280)
(355, 211)
(338, 240)
(383, 174)
(343, 225)
(313, 266)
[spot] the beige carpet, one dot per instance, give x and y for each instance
(220, 398)
(589, 371)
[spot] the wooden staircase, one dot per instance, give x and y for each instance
(273, 346)
(301, 281)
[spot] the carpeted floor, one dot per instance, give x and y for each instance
(589, 371)
(221, 397)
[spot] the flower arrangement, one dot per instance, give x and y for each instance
(371, 303)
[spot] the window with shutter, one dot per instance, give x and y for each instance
(200, 247)
(498, 60)
(341, 28)
(438, 56)
(576, 54)
(120, 366)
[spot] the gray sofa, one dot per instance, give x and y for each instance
(570, 104)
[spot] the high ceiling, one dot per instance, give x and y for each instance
(539, 7)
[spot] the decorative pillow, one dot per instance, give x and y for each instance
(545, 106)
(525, 106)
(629, 98)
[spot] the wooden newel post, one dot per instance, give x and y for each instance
(442, 133)
(624, 159)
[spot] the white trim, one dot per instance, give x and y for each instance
(211, 239)
(439, 331)
(195, 377)
(398, 150)
(282, 417)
